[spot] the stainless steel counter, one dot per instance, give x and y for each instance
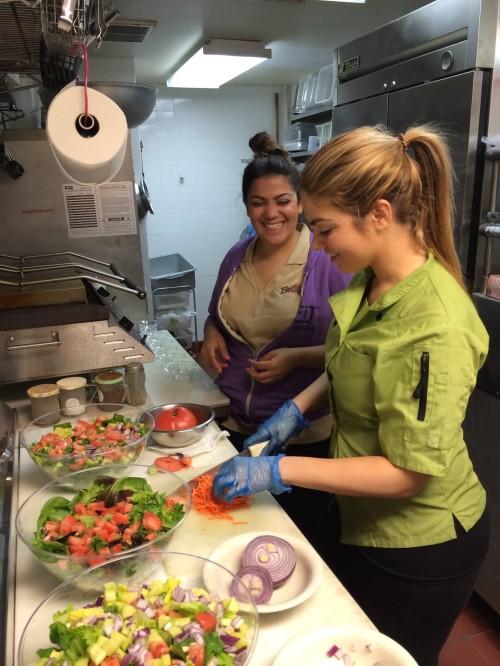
(29, 582)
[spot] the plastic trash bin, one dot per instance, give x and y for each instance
(172, 284)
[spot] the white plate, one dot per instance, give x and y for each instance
(303, 582)
(312, 647)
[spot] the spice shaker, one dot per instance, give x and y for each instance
(136, 384)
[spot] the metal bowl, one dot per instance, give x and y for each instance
(177, 439)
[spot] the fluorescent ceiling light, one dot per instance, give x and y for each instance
(218, 61)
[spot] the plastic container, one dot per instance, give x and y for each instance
(297, 136)
(310, 90)
(44, 403)
(324, 131)
(172, 270)
(324, 87)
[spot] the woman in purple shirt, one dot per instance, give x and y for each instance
(269, 312)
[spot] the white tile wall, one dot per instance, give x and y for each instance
(201, 136)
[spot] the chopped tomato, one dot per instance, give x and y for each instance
(172, 463)
(111, 661)
(120, 519)
(206, 620)
(158, 649)
(196, 652)
(151, 521)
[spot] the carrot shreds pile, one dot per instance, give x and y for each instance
(204, 502)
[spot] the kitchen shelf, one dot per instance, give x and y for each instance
(313, 113)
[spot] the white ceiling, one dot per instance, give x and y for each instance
(301, 34)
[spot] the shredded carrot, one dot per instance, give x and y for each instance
(204, 501)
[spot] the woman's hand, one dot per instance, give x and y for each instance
(286, 422)
(213, 356)
(275, 365)
(246, 476)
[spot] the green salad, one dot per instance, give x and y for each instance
(70, 447)
(105, 519)
(159, 624)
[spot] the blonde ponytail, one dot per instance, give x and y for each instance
(412, 171)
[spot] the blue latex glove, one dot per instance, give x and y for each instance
(247, 476)
(286, 422)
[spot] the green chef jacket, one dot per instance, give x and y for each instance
(401, 371)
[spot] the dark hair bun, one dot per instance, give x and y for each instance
(262, 144)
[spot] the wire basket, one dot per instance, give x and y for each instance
(65, 40)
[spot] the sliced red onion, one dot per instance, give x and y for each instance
(255, 580)
(332, 651)
(272, 553)
(227, 639)
(178, 594)
(142, 603)
(141, 633)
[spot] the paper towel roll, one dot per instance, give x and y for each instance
(86, 159)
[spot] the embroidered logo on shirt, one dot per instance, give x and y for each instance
(305, 317)
(292, 289)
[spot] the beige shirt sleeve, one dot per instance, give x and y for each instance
(257, 314)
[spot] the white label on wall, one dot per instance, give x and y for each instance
(100, 210)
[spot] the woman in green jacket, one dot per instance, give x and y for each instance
(409, 528)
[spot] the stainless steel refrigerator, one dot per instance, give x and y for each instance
(441, 64)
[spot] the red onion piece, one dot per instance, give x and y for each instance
(257, 582)
(272, 553)
(333, 650)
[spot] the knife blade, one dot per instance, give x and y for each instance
(252, 451)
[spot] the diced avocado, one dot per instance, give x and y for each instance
(154, 637)
(96, 653)
(128, 597)
(231, 605)
(200, 592)
(155, 588)
(118, 639)
(63, 431)
(127, 611)
(55, 654)
(174, 631)
(109, 592)
(82, 613)
(180, 621)
(108, 645)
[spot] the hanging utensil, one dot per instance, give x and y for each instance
(144, 192)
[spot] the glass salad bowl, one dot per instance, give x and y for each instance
(93, 439)
(140, 608)
(88, 517)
